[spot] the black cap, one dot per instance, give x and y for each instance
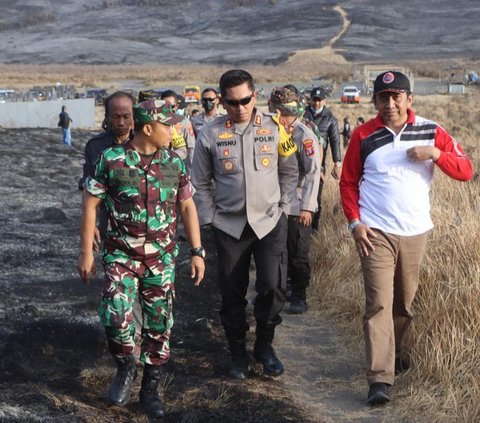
(391, 81)
(318, 92)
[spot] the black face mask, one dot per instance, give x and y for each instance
(208, 105)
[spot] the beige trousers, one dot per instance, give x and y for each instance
(391, 281)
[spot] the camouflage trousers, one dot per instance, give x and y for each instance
(155, 285)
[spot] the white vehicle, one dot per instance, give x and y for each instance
(350, 94)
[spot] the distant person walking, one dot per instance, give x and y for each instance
(385, 184)
(64, 121)
(346, 132)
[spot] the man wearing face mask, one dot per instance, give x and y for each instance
(210, 112)
(327, 127)
(183, 141)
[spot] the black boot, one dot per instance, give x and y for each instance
(239, 368)
(264, 352)
(298, 303)
(119, 392)
(149, 399)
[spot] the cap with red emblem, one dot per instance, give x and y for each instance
(391, 81)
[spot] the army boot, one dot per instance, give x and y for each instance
(149, 399)
(298, 304)
(264, 352)
(119, 392)
(239, 368)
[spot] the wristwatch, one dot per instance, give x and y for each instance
(199, 252)
(353, 224)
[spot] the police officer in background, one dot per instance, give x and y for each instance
(251, 158)
(288, 104)
(327, 127)
(209, 101)
(183, 141)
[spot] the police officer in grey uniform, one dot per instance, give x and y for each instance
(251, 158)
(183, 141)
(209, 100)
(288, 104)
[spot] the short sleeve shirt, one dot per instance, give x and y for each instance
(141, 199)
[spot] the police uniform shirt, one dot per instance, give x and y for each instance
(183, 142)
(199, 121)
(309, 165)
(254, 183)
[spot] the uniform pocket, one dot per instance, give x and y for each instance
(265, 158)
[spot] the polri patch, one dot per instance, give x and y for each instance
(308, 147)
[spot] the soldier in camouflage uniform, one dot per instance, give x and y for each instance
(287, 103)
(142, 184)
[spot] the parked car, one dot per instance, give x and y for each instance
(98, 94)
(350, 94)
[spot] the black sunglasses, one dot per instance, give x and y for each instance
(211, 99)
(242, 102)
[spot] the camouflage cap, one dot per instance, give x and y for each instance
(155, 110)
(284, 96)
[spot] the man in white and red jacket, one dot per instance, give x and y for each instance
(385, 184)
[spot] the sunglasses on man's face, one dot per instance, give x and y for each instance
(210, 99)
(242, 102)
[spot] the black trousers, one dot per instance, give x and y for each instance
(316, 215)
(298, 245)
(234, 255)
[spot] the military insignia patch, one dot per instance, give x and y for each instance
(225, 135)
(226, 153)
(228, 165)
(258, 120)
(308, 148)
(265, 148)
(264, 131)
(265, 162)
(228, 124)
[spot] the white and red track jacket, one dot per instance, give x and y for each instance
(384, 189)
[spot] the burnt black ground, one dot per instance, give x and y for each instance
(53, 361)
(233, 32)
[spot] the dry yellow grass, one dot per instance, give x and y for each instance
(444, 343)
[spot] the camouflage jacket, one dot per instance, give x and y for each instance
(141, 200)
